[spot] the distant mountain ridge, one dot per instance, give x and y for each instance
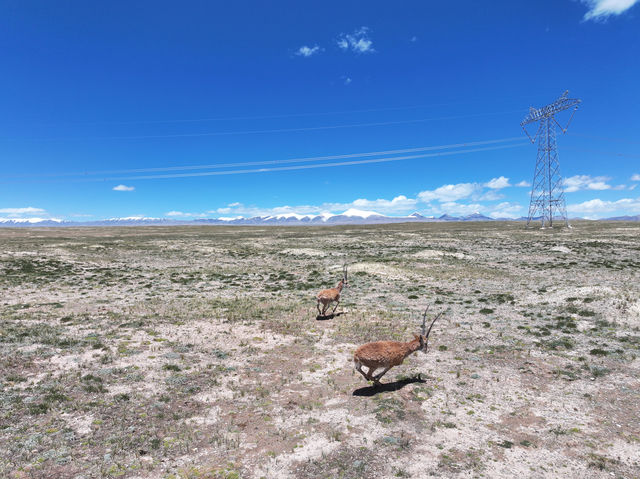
(350, 217)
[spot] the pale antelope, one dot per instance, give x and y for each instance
(328, 296)
(386, 354)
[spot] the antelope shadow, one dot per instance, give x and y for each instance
(320, 317)
(387, 387)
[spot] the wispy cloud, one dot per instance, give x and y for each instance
(506, 210)
(123, 188)
(491, 195)
(448, 193)
(180, 214)
(358, 41)
(598, 206)
(455, 208)
(586, 182)
(458, 199)
(498, 183)
(475, 191)
(635, 177)
(523, 184)
(602, 9)
(305, 51)
(29, 210)
(398, 205)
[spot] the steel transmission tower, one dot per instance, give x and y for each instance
(547, 193)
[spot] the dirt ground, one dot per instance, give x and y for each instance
(194, 352)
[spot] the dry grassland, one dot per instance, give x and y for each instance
(193, 352)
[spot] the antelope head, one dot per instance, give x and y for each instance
(345, 281)
(424, 333)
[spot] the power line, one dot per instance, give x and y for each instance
(285, 168)
(304, 167)
(277, 130)
(272, 162)
(617, 140)
(257, 117)
(611, 153)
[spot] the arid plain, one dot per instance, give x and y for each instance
(194, 352)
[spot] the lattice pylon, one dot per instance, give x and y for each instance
(547, 192)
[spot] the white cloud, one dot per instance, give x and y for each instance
(523, 184)
(449, 192)
(506, 210)
(358, 41)
(398, 205)
(454, 199)
(597, 206)
(491, 195)
(467, 190)
(29, 210)
(602, 9)
(498, 183)
(123, 188)
(635, 177)
(347, 80)
(455, 208)
(586, 182)
(180, 214)
(305, 51)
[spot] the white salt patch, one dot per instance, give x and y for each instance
(312, 448)
(561, 249)
(80, 424)
(211, 418)
(304, 252)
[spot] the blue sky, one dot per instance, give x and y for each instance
(111, 109)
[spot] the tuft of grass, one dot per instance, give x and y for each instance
(557, 343)
(389, 410)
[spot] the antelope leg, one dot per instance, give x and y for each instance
(369, 373)
(335, 307)
(359, 369)
(377, 377)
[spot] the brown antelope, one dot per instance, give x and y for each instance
(387, 354)
(328, 296)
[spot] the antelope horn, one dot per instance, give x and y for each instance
(426, 337)
(424, 320)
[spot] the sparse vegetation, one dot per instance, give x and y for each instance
(193, 352)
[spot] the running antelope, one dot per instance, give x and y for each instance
(328, 296)
(387, 354)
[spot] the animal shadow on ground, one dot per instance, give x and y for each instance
(387, 387)
(329, 316)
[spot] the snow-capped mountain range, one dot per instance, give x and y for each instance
(351, 216)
